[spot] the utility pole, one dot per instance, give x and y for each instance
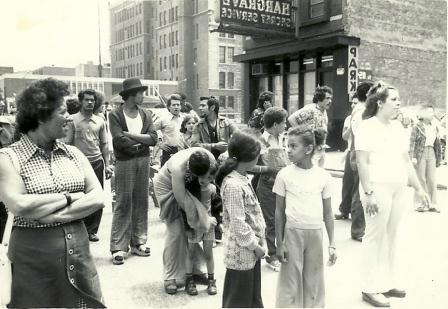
(100, 67)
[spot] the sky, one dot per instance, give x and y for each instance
(36, 33)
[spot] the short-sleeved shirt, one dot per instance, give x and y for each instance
(303, 190)
(60, 171)
(170, 128)
(312, 116)
(387, 146)
(88, 134)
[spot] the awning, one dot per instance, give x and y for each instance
(290, 47)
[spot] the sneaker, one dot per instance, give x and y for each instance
(118, 257)
(141, 250)
(191, 287)
(375, 299)
(341, 216)
(211, 288)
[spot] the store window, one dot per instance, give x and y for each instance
(222, 54)
(222, 80)
(222, 101)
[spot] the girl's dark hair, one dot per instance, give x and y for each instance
(187, 118)
(243, 147)
(379, 92)
(199, 163)
(264, 96)
(192, 181)
(38, 102)
(309, 136)
(73, 106)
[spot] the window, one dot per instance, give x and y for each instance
(164, 62)
(160, 19)
(164, 17)
(160, 41)
(164, 40)
(222, 80)
(177, 60)
(231, 36)
(231, 102)
(177, 37)
(222, 54)
(197, 80)
(196, 31)
(222, 101)
(222, 35)
(177, 16)
(195, 55)
(230, 53)
(195, 6)
(317, 8)
(230, 80)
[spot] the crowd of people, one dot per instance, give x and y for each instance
(263, 191)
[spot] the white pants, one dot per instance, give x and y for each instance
(379, 244)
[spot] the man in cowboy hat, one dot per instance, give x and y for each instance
(132, 132)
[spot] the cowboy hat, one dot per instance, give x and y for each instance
(132, 84)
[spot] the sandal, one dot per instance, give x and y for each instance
(421, 208)
(118, 257)
(170, 286)
(141, 250)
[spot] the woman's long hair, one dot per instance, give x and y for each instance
(379, 92)
(243, 147)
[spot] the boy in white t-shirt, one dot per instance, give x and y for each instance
(303, 202)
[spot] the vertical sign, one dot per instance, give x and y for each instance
(352, 68)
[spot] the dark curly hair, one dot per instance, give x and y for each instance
(320, 93)
(309, 136)
(82, 93)
(38, 101)
(263, 97)
(187, 118)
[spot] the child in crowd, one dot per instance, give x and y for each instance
(202, 188)
(187, 127)
(303, 202)
(244, 243)
(273, 156)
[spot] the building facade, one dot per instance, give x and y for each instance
(340, 43)
(90, 69)
(181, 44)
(54, 70)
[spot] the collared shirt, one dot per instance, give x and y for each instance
(311, 115)
(57, 172)
(243, 222)
(88, 134)
(170, 128)
(274, 150)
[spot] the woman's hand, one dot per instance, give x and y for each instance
(213, 221)
(282, 253)
(372, 208)
(260, 252)
(332, 256)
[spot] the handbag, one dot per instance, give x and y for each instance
(5, 265)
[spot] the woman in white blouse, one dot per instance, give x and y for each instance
(384, 170)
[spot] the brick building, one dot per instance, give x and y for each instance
(90, 69)
(338, 43)
(178, 44)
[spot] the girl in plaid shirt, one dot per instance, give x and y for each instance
(244, 243)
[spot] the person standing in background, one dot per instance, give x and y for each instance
(88, 133)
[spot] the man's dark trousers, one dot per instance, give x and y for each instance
(93, 220)
(347, 187)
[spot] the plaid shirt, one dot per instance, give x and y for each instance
(43, 174)
(242, 220)
(312, 116)
(418, 141)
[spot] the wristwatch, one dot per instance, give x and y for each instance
(370, 192)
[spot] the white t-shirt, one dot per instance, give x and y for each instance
(134, 125)
(387, 146)
(304, 190)
(431, 134)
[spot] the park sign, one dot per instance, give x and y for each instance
(259, 15)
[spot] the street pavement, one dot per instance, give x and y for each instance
(423, 255)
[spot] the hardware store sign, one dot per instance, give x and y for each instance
(264, 14)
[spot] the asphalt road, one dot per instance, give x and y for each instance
(423, 252)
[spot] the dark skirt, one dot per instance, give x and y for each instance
(52, 267)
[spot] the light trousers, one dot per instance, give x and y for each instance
(301, 280)
(426, 171)
(379, 245)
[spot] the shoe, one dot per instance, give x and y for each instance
(434, 209)
(200, 279)
(274, 265)
(422, 208)
(375, 299)
(211, 288)
(395, 293)
(340, 216)
(357, 238)
(170, 286)
(93, 237)
(141, 250)
(118, 257)
(191, 287)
